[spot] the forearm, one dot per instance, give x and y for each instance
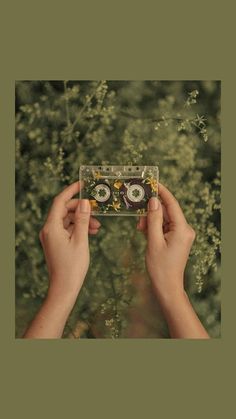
(50, 321)
(183, 322)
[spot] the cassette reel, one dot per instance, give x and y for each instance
(119, 190)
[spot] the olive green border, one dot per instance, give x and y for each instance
(108, 40)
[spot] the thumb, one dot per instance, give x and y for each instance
(82, 216)
(154, 223)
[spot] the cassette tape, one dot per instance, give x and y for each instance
(119, 190)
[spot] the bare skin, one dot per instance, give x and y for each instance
(64, 239)
(169, 241)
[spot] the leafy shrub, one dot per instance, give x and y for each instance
(61, 125)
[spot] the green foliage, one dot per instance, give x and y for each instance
(61, 125)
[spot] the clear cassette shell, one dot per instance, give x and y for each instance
(119, 190)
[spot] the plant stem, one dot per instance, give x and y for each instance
(129, 115)
(68, 122)
(84, 107)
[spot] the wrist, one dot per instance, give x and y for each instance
(60, 297)
(170, 295)
(51, 318)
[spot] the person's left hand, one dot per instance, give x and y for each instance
(64, 239)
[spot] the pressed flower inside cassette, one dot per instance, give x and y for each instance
(119, 190)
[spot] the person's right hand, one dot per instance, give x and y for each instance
(169, 240)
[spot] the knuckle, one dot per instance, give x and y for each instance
(45, 231)
(55, 199)
(191, 234)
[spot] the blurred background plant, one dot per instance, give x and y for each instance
(63, 124)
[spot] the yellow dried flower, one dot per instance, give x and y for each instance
(153, 183)
(94, 204)
(97, 175)
(115, 205)
(117, 184)
(141, 211)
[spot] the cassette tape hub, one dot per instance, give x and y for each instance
(119, 190)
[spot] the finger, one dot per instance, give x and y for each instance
(70, 218)
(93, 231)
(71, 227)
(165, 214)
(82, 217)
(72, 204)
(142, 224)
(59, 209)
(155, 223)
(94, 223)
(172, 206)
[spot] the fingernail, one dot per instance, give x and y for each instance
(84, 205)
(153, 203)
